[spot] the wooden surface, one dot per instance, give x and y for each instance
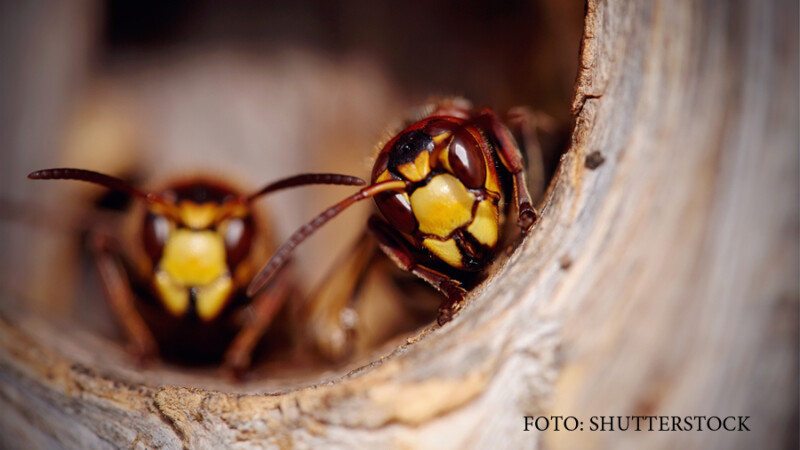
(661, 279)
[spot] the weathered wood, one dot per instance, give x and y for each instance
(661, 279)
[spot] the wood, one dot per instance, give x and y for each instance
(660, 279)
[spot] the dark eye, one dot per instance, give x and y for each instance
(436, 127)
(397, 210)
(380, 165)
(157, 229)
(238, 236)
(466, 159)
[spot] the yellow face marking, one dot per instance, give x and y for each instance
(229, 210)
(444, 158)
(418, 169)
(484, 226)
(447, 251)
(439, 154)
(197, 216)
(442, 205)
(384, 176)
(194, 258)
(174, 297)
(438, 139)
(491, 183)
(165, 209)
(212, 298)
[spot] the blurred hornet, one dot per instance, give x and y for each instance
(442, 186)
(177, 285)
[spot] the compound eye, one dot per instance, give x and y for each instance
(438, 127)
(157, 229)
(396, 208)
(466, 159)
(238, 234)
(381, 164)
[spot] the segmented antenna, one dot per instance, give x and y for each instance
(305, 179)
(169, 208)
(88, 176)
(107, 181)
(282, 255)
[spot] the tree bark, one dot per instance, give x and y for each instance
(661, 279)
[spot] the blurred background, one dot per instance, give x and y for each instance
(249, 91)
